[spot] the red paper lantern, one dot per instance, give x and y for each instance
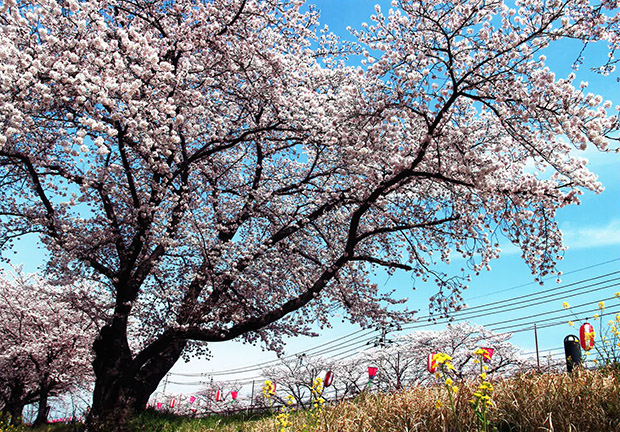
(218, 395)
(192, 399)
(431, 364)
(159, 404)
(488, 355)
(372, 372)
(172, 402)
(329, 377)
(586, 336)
(234, 394)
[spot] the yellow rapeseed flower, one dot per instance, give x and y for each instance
(455, 389)
(438, 404)
(441, 358)
(269, 389)
(565, 305)
(449, 381)
(570, 323)
(601, 305)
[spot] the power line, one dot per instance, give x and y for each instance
(541, 295)
(550, 278)
(459, 319)
(507, 305)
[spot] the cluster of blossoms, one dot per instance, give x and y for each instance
(283, 418)
(269, 389)
(482, 397)
(442, 361)
(318, 403)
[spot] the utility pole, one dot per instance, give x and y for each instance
(252, 398)
(398, 370)
(382, 341)
(165, 383)
(536, 340)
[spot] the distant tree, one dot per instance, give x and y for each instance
(220, 169)
(403, 363)
(45, 344)
(295, 376)
(350, 376)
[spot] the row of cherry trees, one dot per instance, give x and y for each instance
(400, 364)
(217, 166)
(45, 343)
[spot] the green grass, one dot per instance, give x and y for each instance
(155, 421)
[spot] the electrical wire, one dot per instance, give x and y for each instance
(353, 343)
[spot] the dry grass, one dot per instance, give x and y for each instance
(583, 401)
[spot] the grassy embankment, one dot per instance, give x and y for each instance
(583, 401)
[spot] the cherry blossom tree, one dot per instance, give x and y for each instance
(220, 168)
(402, 363)
(45, 344)
(295, 377)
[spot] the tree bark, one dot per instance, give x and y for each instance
(123, 387)
(15, 402)
(42, 410)
(15, 412)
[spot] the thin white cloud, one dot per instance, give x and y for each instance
(582, 237)
(578, 237)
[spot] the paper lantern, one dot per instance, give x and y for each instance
(488, 355)
(159, 404)
(431, 364)
(586, 336)
(192, 399)
(372, 372)
(234, 394)
(329, 377)
(218, 395)
(172, 402)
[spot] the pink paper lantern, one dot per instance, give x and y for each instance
(372, 372)
(488, 355)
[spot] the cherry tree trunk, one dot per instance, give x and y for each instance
(42, 410)
(123, 387)
(15, 413)
(15, 403)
